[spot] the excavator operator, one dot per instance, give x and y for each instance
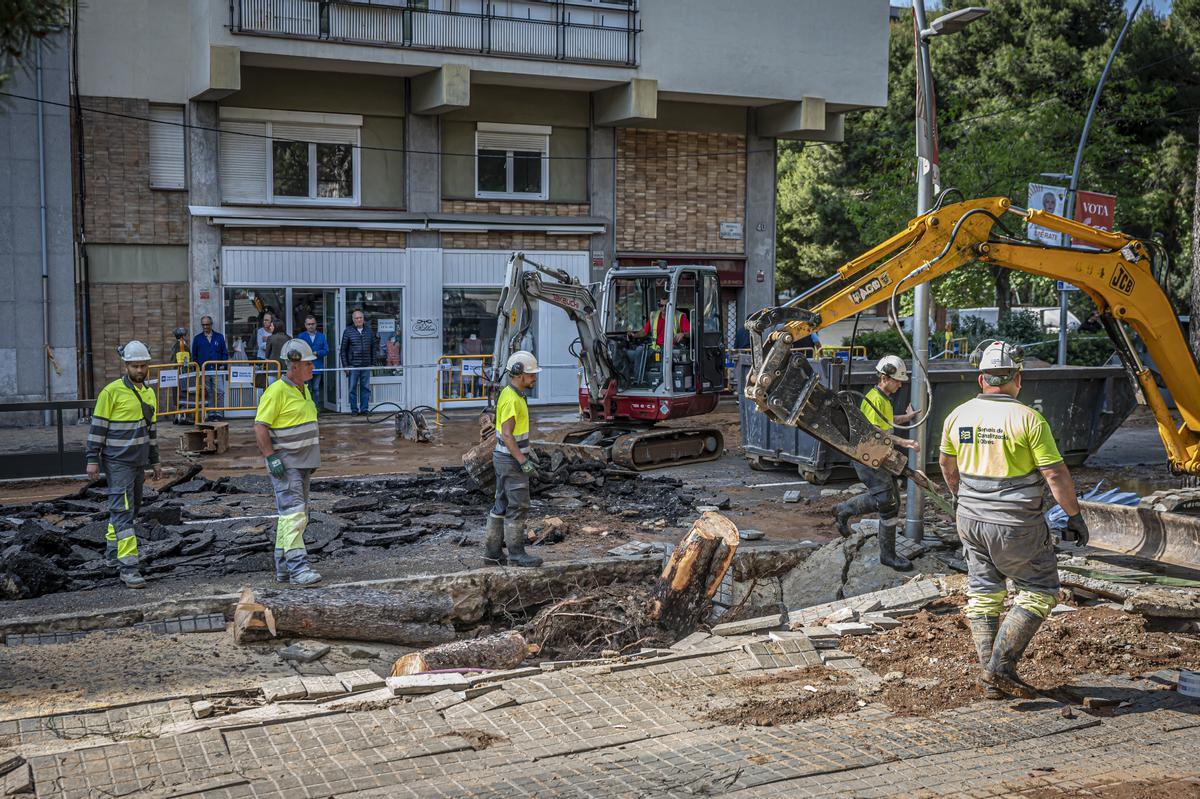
(656, 324)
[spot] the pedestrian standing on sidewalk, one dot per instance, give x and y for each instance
(320, 347)
(357, 354)
(513, 465)
(262, 334)
(882, 495)
(285, 429)
(208, 345)
(123, 440)
(276, 340)
(997, 456)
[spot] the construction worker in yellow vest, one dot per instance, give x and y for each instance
(285, 428)
(656, 328)
(123, 440)
(514, 465)
(997, 456)
(883, 496)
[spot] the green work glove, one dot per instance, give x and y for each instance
(528, 468)
(1077, 530)
(275, 466)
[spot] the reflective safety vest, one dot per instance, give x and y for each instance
(288, 412)
(999, 444)
(660, 336)
(511, 405)
(877, 407)
(121, 429)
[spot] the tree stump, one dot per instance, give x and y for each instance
(356, 614)
(499, 652)
(683, 594)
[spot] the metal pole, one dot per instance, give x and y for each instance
(914, 521)
(1074, 187)
(42, 232)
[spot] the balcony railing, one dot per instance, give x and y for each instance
(551, 31)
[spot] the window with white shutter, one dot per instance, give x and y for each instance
(288, 157)
(512, 161)
(167, 166)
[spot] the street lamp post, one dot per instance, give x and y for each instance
(914, 522)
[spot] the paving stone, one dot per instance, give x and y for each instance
(749, 625)
(19, 781)
(789, 653)
(841, 615)
(750, 534)
(851, 628)
(426, 683)
(9, 761)
(880, 621)
(501, 676)
(442, 700)
(319, 686)
(690, 641)
(865, 604)
(304, 651)
(791, 496)
(360, 680)
(202, 709)
(282, 689)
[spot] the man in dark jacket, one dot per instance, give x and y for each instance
(358, 350)
(208, 345)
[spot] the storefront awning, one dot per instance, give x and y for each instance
(364, 219)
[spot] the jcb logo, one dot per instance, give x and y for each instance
(1122, 281)
(868, 289)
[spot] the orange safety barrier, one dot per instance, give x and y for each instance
(174, 387)
(233, 385)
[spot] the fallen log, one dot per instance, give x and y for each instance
(498, 652)
(356, 614)
(684, 591)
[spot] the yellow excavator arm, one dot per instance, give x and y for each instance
(1117, 276)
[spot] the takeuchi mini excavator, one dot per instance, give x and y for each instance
(631, 380)
(1118, 275)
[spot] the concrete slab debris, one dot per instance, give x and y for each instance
(880, 621)
(840, 616)
(851, 628)
(319, 686)
(792, 496)
(501, 676)
(757, 624)
(360, 680)
(283, 689)
(749, 534)
(789, 653)
(202, 709)
(690, 641)
(304, 651)
(19, 781)
(426, 683)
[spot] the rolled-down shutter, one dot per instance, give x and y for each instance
(322, 134)
(523, 142)
(244, 162)
(167, 167)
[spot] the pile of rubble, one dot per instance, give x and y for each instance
(226, 526)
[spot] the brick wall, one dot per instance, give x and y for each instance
(311, 237)
(669, 202)
(121, 208)
(512, 240)
(144, 311)
(515, 208)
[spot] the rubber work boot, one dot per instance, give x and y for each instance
(514, 539)
(132, 578)
(1014, 636)
(843, 515)
(493, 546)
(983, 633)
(887, 549)
(306, 578)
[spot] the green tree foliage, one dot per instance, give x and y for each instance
(1013, 90)
(22, 21)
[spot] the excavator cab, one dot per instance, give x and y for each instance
(665, 337)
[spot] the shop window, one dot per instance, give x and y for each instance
(512, 161)
(243, 316)
(289, 157)
(383, 314)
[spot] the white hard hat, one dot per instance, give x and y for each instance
(893, 367)
(296, 349)
(999, 361)
(135, 351)
(522, 363)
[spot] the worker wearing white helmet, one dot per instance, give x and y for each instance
(883, 495)
(285, 429)
(997, 455)
(514, 466)
(123, 439)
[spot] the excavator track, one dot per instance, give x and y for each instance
(667, 446)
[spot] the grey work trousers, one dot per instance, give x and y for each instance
(512, 489)
(882, 490)
(125, 481)
(1023, 554)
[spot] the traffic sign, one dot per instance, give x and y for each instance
(1064, 286)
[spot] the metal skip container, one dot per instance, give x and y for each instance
(1083, 404)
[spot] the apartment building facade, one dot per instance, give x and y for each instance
(322, 156)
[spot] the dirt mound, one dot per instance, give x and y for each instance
(783, 697)
(935, 645)
(584, 625)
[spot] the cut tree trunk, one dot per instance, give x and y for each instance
(498, 652)
(683, 594)
(356, 614)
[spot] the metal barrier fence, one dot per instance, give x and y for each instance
(460, 379)
(175, 391)
(844, 353)
(233, 385)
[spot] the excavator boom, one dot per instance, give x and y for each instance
(1117, 276)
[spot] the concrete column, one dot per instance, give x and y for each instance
(204, 188)
(423, 172)
(760, 219)
(602, 194)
